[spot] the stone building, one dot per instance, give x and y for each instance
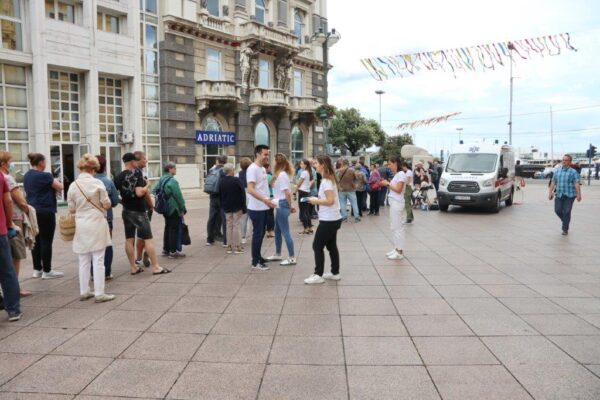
(243, 66)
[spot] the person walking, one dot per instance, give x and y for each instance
(175, 209)
(361, 185)
(374, 188)
(397, 187)
(259, 203)
(408, 191)
(347, 190)
(244, 164)
(330, 221)
(133, 189)
(216, 218)
(282, 193)
(40, 191)
(20, 210)
(233, 203)
(87, 198)
(564, 189)
(8, 277)
(304, 184)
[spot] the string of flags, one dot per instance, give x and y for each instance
(427, 122)
(484, 56)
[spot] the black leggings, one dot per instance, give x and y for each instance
(326, 236)
(171, 233)
(42, 251)
(374, 201)
(304, 210)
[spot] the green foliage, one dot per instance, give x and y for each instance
(353, 132)
(391, 147)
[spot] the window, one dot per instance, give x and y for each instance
(213, 64)
(148, 6)
(213, 7)
(10, 25)
(261, 134)
(263, 74)
(298, 27)
(259, 11)
(14, 132)
(64, 106)
(110, 109)
(60, 10)
(108, 23)
(282, 13)
(298, 83)
(212, 151)
(297, 144)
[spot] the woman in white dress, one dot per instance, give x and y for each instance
(88, 200)
(397, 207)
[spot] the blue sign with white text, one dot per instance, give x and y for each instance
(215, 137)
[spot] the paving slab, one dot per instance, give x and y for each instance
(390, 383)
(289, 382)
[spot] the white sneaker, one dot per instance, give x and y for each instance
(37, 274)
(86, 296)
(288, 262)
(52, 275)
(261, 267)
(243, 240)
(390, 253)
(103, 298)
(274, 258)
(314, 279)
(396, 256)
(332, 277)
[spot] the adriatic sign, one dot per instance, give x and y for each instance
(215, 137)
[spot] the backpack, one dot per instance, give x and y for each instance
(211, 182)
(161, 200)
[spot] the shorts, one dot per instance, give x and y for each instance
(18, 249)
(136, 221)
(149, 214)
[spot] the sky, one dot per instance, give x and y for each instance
(568, 83)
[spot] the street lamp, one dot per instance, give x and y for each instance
(326, 40)
(459, 133)
(379, 93)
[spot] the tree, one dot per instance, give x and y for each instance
(392, 146)
(352, 132)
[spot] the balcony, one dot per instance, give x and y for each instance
(303, 104)
(207, 91)
(260, 98)
(216, 24)
(270, 35)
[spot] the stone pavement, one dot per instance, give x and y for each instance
(486, 306)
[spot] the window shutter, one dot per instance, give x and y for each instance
(282, 13)
(316, 23)
(324, 24)
(240, 4)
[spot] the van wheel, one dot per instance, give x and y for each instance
(509, 201)
(444, 207)
(496, 207)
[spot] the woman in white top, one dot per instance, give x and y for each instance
(396, 197)
(88, 200)
(282, 196)
(330, 221)
(304, 183)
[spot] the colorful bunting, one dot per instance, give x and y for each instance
(427, 122)
(483, 56)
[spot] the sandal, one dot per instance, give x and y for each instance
(162, 271)
(138, 271)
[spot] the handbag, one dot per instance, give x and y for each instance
(375, 185)
(185, 235)
(66, 227)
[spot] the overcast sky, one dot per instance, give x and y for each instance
(389, 27)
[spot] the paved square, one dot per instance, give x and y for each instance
(484, 306)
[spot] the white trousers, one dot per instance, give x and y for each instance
(397, 212)
(85, 263)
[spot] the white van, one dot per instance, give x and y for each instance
(480, 174)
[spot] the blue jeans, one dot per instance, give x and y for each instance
(259, 222)
(344, 197)
(282, 228)
(562, 208)
(8, 278)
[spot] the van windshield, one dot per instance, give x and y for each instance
(472, 162)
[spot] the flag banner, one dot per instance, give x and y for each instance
(427, 122)
(480, 57)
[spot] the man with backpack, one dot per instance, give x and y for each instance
(215, 227)
(170, 203)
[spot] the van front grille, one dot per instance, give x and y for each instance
(463, 187)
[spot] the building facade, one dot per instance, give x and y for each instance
(242, 66)
(111, 76)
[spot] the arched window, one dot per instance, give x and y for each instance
(212, 151)
(297, 144)
(298, 26)
(261, 134)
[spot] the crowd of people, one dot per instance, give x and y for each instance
(262, 193)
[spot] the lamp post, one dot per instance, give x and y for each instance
(459, 130)
(379, 93)
(326, 40)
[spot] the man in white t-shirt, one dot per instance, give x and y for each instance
(408, 192)
(259, 202)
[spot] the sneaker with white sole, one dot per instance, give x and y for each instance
(14, 316)
(52, 275)
(139, 263)
(287, 262)
(331, 277)
(261, 267)
(274, 257)
(390, 253)
(103, 298)
(243, 240)
(396, 256)
(86, 296)
(37, 274)
(239, 250)
(314, 279)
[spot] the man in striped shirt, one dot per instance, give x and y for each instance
(565, 188)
